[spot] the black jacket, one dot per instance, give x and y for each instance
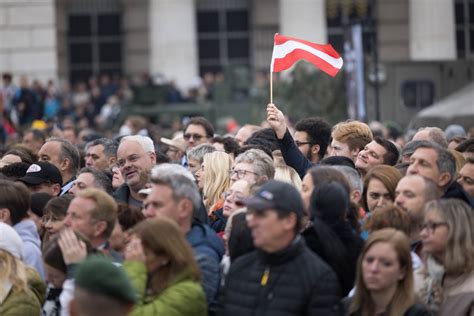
(455, 191)
(293, 156)
(293, 281)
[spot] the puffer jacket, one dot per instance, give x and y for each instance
(184, 297)
(293, 281)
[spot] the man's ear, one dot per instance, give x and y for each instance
(112, 161)
(185, 207)
(56, 189)
(100, 227)
(355, 196)
(152, 156)
(5, 216)
(65, 164)
(289, 221)
(355, 153)
(315, 149)
(444, 179)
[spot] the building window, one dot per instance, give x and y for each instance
(223, 35)
(417, 94)
(94, 44)
(464, 15)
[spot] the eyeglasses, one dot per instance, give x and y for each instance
(302, 143)
(241, 173)
(194, 136)
(121, 163)
(431, 226)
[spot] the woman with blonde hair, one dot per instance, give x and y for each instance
(379, 187)
(21, 289)
(162, 268)
(215, 178)
(446, 283)
(287, 174)
(384, 282)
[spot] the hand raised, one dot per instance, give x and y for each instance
(134, 250)
(276, 120)
(73, 249)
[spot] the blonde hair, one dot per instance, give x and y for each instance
(404, 295)
(216, 176)
(356, 134)
(289, 175)
(13, 270)
(459, 252)
(162, 236)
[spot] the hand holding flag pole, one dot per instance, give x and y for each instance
(288, 50)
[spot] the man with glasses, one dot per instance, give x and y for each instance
(253, 165)
(197, 131)
(135, 158)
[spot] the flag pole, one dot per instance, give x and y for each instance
(271, 86)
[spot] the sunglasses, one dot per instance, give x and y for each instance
(194, 136)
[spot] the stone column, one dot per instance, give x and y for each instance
(28, 42)
(305, 19)
(173, 40)
(432, 30)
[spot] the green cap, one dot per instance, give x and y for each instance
(99, 275)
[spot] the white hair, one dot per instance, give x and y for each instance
(144, 141)
(352, 176)
(170, 169)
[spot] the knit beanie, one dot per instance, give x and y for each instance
(10, 241)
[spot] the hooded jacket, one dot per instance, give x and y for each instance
(31, 245)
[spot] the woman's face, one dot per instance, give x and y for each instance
(199, 175)
(238, 190)
(117, 179)
(381, 267)
(434, 234)
(377, 195)
(54, 276)
(306, 190)
(153, 261)
(53, 224)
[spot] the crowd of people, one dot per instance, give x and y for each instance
(272, 220)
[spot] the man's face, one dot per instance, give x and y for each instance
(466, 178)
(342, 149)
(302, 141)
(96, 158)
(84, 180)
(30, 142)
(160, 202)
(424, 163)
(52, 189)
(268, 231)
(135, 164)
(51, 152)
(193, 166)
(79, 218)
(246, 171)
(195, 135)
(370, 156)
(410, 196)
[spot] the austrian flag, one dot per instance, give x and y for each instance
(288, 50)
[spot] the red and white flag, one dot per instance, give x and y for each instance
(288, 50)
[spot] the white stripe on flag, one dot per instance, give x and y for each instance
(281, 50)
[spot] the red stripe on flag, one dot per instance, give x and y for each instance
(281, 64)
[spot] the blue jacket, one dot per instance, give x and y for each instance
(208, 251)
(31, 245)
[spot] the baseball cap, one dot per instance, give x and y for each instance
(10, 241)
(177, 142)
(40, 172)
(278, 195)
(99, 275)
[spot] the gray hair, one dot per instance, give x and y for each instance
(436, 135)
(110, 146)
(101, 180)
(144, 141)
(179, 180)
(263, 163)
(445, 161)
(68, 151)
(197, 153)
(352, 176)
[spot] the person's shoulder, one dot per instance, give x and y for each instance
(245, 261)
